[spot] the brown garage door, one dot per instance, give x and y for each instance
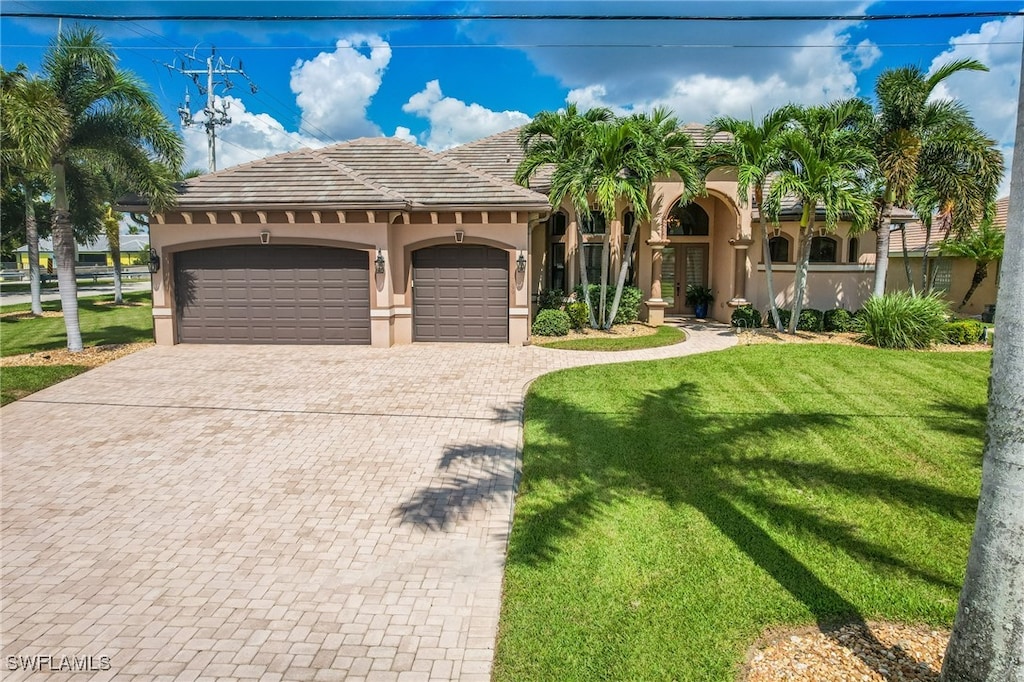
(273, 294)
(460, 293)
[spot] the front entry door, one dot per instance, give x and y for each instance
(681, 265)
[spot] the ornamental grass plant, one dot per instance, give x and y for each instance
(903, 320)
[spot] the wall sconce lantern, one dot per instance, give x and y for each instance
(521, 263)
(379, 263)
(264, 237)
(154, 261)
(459, 236)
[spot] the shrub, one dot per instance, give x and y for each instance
(578, 313)
(810, 320)
(551, 323)
(903, 320)
(629, 305)
(962, 332)
(550, 299)
(746, 317)
(838, 320)
(784, 315)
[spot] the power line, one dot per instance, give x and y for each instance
(993, 14)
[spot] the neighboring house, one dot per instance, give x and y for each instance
(379, 241)
(134, 251)
(952, 276)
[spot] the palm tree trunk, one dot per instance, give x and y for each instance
(32, 237)
(605, 322)
(926, 288)
(800, 276)
(988, 632)
(766, 253)
(115, 252)
(906, 258)
(882, 250)
(627, 257)
(64, 252)
(583, 273)
(980, 273)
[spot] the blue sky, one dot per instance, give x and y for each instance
(442, 83)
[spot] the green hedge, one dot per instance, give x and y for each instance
(550, 299)
(629, 306)
(784, 315)
(811, 320)
(579, 314)
(838, 320)
(963, 332)
(551, 323)
(746, 317)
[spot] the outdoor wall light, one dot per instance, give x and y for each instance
(264, 237)
(154, 261)
(521, 263)
(379, 262)
(459, 236)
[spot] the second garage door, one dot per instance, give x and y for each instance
(460, 293)
(273, 294)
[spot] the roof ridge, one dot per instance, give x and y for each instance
(318, 155)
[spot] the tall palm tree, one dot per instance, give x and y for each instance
(753, 150)
(31, 126)
(983, 246)
(115, 127)
(908, 125)
(662, 149)
(555, 140)
(826, 162)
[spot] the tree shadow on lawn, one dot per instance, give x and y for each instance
(719, 464)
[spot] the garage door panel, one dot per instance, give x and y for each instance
(460, 293)
(273, 294)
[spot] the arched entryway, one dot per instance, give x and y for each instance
(685, 258)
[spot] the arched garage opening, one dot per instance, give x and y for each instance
(274, 294)
(460, 293)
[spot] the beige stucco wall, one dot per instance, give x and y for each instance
(843, 284)
(961, 275)
(396, 234)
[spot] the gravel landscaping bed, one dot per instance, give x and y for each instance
(752, 337)
(93, 356)
(616, 332)
(862, 653)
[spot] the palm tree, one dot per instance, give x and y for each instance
(753, 150)
(662, 149)
(115, 128)
(983, 246)
(826, 159)
(908, 127)
(557, 139)
(988, 631)
(31, 125)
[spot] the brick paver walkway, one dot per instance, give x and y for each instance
(270, 513)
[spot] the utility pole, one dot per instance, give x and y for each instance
(217, 72)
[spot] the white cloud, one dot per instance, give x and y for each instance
(334, 88)
(991, 97)
(454, 122)
(403, 133)
(249, 136)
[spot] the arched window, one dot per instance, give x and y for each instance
(779, 249)
(824, 250)
(853, 255)
(687, 221)
(557, 223)
(628, 219)
(595, 224)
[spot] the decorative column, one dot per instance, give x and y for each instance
(739, 287)
(655, 304)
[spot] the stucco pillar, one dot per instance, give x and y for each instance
(739, 288)
(655, 304)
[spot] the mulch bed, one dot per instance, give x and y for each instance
(93, 356)
(759, 336)
(871, 652)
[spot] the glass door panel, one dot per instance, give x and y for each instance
(668, 277)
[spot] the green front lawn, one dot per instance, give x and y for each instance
(102, 323)
(664, 336)
(18, 382)
(671, 511)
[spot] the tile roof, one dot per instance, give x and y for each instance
(916, 233)
(381, 173)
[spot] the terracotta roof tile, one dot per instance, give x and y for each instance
(916, 233)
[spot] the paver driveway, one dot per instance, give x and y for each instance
(269, 513)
